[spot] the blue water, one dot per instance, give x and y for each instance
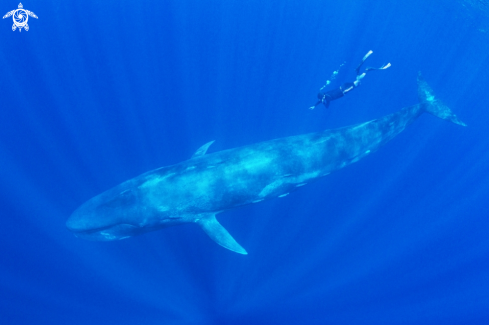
(98, 92)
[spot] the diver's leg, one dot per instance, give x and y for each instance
(363, 60)
(361, 76)
(348, 86)
(385, 66)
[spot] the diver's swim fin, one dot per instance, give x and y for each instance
(367, 55)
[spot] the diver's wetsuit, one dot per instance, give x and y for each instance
(333, 94)
(328, 96)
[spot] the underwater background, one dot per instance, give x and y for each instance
(98, 92)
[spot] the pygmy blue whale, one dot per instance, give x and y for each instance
(196, 190)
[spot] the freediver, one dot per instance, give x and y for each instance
(325, 97)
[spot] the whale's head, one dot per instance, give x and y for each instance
(114, 214)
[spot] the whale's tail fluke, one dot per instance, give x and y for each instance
(432, 105)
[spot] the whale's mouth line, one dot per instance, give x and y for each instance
(98, 230)
(108, 233)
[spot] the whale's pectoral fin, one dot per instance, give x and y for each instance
(220, 235)
(202, 150)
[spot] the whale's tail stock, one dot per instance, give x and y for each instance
(432, 105)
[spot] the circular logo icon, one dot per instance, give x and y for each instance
(20, 18)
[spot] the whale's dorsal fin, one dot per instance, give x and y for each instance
(218, 234)
(202, 150)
